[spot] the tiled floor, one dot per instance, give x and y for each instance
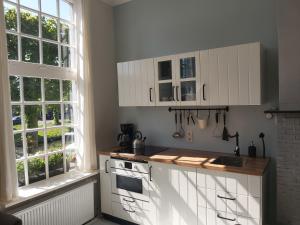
(100, 221)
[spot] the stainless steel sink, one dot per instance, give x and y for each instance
(228, 161)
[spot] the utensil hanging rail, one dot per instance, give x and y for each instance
(226, 109)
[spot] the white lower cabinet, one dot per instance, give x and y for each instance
(105, 184)
(187, 196)
(173, 194)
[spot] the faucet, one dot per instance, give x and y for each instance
(237, 145)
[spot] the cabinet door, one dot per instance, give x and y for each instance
(105, 184)
(145, 82)
(123, 84)
(165, 79)
(174, 194)
(188, 78)
(231, 75)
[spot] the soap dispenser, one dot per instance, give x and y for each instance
(252, 150)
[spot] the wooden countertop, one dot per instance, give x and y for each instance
(196, 159)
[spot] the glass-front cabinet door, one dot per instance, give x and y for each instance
(165, 77)
(188, 78)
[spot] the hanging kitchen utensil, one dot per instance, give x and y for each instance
(182, 132)
(216, 131)
(225, 135)
(203, 122)
(176, 134)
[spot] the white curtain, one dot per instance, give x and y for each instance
(87, 151)
(8, 172)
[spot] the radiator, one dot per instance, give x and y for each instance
(75, 207)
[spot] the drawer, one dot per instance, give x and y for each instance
(230, 219)
(229, 182)
(130, 201)
(129, 165)
(241, 205)
(129, 213)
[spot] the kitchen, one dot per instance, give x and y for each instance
(151, 36)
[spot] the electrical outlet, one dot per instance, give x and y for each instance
(189, 136)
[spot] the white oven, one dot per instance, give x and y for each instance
(130, 179)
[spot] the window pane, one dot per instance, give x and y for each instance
(36, 170)
(69, 141)
(18, 145)
(52, 90)
(71, 161)
(53, 115)
(21, 174)
(67, 90)
(66, 11)
(30, 50)
(65, 56)
(29, 22)
(10, 13)
(68, 115)
(35, 142)
(54, 139)
(12, 47)
(65, 33)
(33, 116)
(50, 54)
(33, 4)
(49, 28)
(32, 89)
(15, 88)
(56, 164)
(49, 7)
(16, 117)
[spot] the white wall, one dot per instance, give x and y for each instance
(104, 73)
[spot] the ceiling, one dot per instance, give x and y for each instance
(115, 2)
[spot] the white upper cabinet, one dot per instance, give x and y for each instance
(221, 76)
(136, 83)
(231, 75)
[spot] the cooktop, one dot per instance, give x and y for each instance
(147, 151)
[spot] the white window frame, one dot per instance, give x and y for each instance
(39, 70)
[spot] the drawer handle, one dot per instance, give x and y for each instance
(124, 199)
(232, 199)
(106, 170)
(225, 218)
(131, 211)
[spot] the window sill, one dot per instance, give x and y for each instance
(46, 186)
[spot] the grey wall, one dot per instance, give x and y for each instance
(153, 28)
(104, 73)
(289, 53)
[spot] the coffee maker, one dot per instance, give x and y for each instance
(125, 138)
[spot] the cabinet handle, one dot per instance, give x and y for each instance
(203, 94)
(232, 199)
(124, 199)
(174, 90)
(132, 211)
(225, 218)
(150, 173)
(150, 94)
(177, 87)
(106, 161)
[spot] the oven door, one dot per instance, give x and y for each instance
(131, 184)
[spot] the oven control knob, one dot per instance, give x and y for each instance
(121, 165)
(135, 167)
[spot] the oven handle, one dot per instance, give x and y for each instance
(132, 176)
